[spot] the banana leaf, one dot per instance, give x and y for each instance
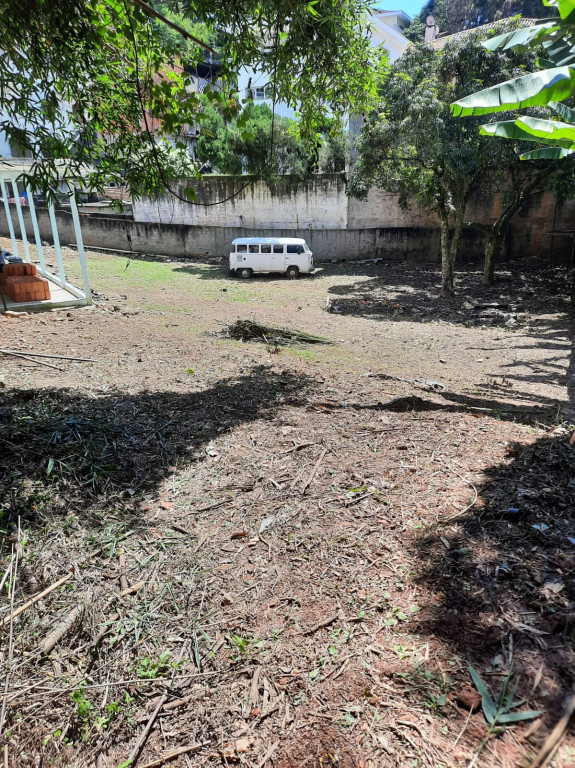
(511, 129)
(563, 111)
(521, 39)
(533, 90)
(547, 153)
(566, 8)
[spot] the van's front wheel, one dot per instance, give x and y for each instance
(292, 272)
(246, 273)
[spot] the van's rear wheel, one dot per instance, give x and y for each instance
(246, 273)
(292, 272)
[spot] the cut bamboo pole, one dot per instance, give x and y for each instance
(30, 359)
(35, 599)
(56, 357)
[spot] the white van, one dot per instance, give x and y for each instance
(290, 255)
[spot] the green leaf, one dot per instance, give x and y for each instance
(511, 129)
(533, 90)
(50, 467)
(563, 111)
(517, 717)
(521, 39)
(489, 708)
(547, 153)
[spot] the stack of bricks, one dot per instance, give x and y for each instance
(21, 283)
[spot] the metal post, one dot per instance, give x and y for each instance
(36, 229)
(21, 221)
(9, 217)
(57, 248)
(80, 246)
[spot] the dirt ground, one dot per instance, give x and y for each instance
(288, 555)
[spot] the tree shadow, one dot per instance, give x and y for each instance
(392, 291)
(110, 452)
(504, 574)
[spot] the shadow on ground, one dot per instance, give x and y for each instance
(60, 451)
(398, 291)
(505, 584)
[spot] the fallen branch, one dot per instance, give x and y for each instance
(146, 732)
(123, 580)
(248, 330)
(177, 703)
(131, 590)
(553, 740)
(181, 529)
(268, 754)
(62, 629)
(30, 359)
(321, 625)
(35, 599)
(313, 472)
(469, 506)
(175, 753)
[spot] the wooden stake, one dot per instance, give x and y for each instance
(35, 599)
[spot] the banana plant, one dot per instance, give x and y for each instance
(548, 87)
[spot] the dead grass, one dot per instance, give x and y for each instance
(308, 587)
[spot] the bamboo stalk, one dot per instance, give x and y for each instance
(30, 359)
(56, 357)
(35, 599)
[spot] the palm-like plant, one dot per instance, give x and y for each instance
(552, 84)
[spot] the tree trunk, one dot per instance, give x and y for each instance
(446, 263)
(493, 248)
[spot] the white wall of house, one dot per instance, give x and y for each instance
(386, 31)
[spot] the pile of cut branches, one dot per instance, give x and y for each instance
(249, 330)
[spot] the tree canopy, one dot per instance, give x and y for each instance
(227, 148)
(456, 15)
(78, 77)
(415, 147)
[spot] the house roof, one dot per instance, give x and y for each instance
(440, 42)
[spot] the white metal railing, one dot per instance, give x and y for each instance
(9, 179)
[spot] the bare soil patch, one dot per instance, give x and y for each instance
(315, 554)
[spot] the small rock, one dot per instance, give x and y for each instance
(511, 322)
(45, 243)
(469, 698)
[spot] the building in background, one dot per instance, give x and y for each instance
(386, 29)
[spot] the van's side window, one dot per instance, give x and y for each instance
(241, 248)
(266, 249)
(254, 249)
(293, 249)
(278, 248)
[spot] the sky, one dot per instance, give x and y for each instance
(411, 7)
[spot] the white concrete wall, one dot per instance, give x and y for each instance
(318, 203)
